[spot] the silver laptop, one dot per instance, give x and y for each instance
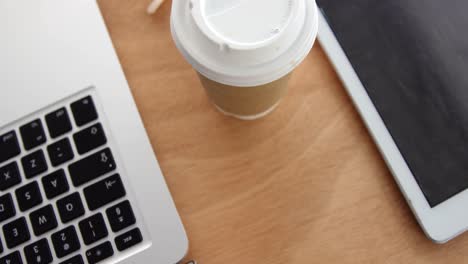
(79, 182)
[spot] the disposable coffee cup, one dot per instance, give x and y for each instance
(244, 50)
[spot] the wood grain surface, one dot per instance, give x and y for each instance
(304, 185)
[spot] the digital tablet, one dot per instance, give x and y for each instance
(404, 64)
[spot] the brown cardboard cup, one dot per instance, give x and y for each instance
(246, 103)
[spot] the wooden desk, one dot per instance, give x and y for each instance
(303, 185)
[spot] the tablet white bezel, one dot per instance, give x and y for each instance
(441, 223)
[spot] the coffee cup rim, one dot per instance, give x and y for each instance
(233, 73)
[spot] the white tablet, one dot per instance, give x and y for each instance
(404, 64)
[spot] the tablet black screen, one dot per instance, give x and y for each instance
(412, 57)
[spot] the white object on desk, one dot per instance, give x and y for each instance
(440, 223)
(275, 37)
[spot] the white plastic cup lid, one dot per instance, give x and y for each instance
(244, 42)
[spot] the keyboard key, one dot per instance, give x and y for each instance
(9, 176)
(92, 167)
(43, 220)
(16, 232)
(33, 134)
(104, 192)
(84, 111)
(120, 216)
(28, 196)
(38, 253)
(34, 164)
(58, 122)
(93, 229)
(65, 242)
(75, 260)
(70, 207)
(100, 253)
(1, 247)
(7, 208)
(90, 138)
(13, 258)
(9, 146)
(55, 184)
(128, 240)
(60, 152)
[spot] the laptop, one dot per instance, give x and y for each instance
(79, 182)
(404, 65)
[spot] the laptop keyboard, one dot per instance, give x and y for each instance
(62, 199)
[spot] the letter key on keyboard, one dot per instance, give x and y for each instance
(90, 138)
(75, 260)
(7, 208)
(60, 152)
(100, 253)
(13, 258)
(28, 196)
(43, 220)
(65, 242)
(55, 184)
(104, 192)
(120, 216)
(93, 229)
(16, 232)
(38, 252)
(70, 207)
(33, 134)
(58, 122)
(9, 146)
(128, 239)
(9, 176)
(84, 111)
(34, 164)
(92, 167)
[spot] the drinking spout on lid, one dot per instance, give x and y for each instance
(243, 24)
